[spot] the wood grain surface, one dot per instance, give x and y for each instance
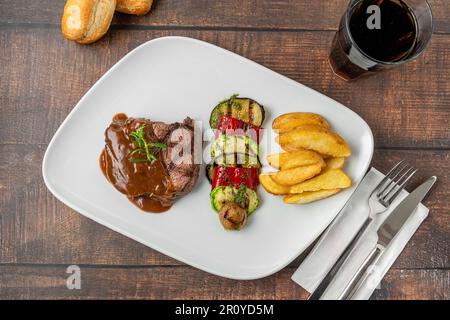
(43, 76)
(225, 14)
(156, 282)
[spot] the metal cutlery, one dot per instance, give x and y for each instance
(386, 232)
(379, 201)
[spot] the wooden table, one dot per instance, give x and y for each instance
(43, 76)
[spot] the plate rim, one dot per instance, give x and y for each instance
(134, 237)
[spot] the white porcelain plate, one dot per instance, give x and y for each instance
(168, 79)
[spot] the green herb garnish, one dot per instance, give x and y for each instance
(230, 100)
(234, 96)
(145, 149)
(241, 196)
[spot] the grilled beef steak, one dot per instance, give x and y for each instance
(179, 156)
(151, 185)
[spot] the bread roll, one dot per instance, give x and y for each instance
(137, 7)
(86, 21)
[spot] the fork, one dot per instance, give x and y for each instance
(379, 201)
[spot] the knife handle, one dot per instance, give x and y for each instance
(362, 274)
(340, 262)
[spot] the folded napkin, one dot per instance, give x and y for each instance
(341, 232)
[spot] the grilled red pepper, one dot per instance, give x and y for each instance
(235, 176)
(232, 126)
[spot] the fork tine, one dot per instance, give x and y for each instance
(386, 178)
(391, 178)
(400, 188)
(395, 182)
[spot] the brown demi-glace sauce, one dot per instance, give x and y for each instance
(147, 185)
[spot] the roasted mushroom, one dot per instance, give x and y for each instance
(232, 216)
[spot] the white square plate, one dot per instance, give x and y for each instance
(168, 79)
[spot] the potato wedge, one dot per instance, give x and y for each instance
(312, 127)
(291, 160)
(289, 148)
(335, 163)
(297, 175)
(289, 121)
(325, 156)
(330, 179)
(319, 140)
(311, 196)
(271, 186)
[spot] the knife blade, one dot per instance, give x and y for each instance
(386, 233)
(392, 225)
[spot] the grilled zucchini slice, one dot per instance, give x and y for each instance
(243, 160)
(229, 144)
(221, 195)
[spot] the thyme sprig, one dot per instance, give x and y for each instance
(149, 151)
(241, 196)
(231, 100)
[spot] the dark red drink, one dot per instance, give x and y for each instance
(361, 47)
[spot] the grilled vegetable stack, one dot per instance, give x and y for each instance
(234, 170)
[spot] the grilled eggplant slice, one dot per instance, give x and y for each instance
(210, 172)
(244, 109)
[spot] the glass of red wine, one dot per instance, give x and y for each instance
(376, 35)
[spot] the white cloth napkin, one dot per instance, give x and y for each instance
(340, 233)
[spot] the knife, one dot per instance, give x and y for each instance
(386, 232)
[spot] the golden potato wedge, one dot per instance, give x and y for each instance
(330, 179)
(310, 196)
(312, 127)
(289, 121)
(319, 140)
(291, 160)
(335, 163)
(325, 156)
(296, 175)
(289, 148)
(271, 186)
